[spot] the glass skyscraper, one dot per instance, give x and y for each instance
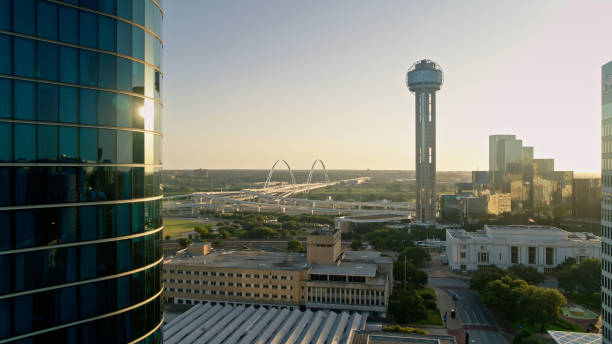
(606, 202)
(80, 164)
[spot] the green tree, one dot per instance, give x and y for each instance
(415, 255)
(295, 246)
(356, 245)
(167, 237)
(184, 242)
(584, 276)
(405, 306)
(528, 274)
(415, 278)
(482, 277)
(542, 305)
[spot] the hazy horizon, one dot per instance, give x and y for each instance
(249, 83)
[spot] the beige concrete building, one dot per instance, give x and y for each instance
(324, 278)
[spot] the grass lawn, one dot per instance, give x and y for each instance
(177, 226)
(433, 318)
(560, 325)
(591, 301)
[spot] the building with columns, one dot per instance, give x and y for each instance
(323, 278)
(542, 247)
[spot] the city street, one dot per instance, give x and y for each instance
(471, 314)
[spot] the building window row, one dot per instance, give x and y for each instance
(44, 102)
(231, 293)
(63, 225)
(78, 263)
(229, 274)
(229, 284)
(31, 143)
(80, 27)
(34, 312)
(64, 184)
(363, 297)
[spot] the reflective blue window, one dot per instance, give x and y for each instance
(68, 65)
(88, 139)
(25, 100)
(137, 218)
(89, 185)
(69, 224)
(23, 314)
(88, 68)
(6, 184)
(89, 294)
(124, 74)
(107, 33)
(93, 4)
(124, 220)
(47, 20)
(25, 143)
(6, 56)
(47, 143)
(138, 182)
(6, 98)
(124, 182)
(107, 146)
(138, 12)
(124, 38)
(124, 144)
(108, 71)
(68, 305)
(6, 235)
(124, 286)
(88, 29)
(68, 184)
(87, 216)
(138, 147)
(106, 222)
(138, 43)
(23, 16)
(108, 6)
(69, 144)
(124, 9)
(88, 113)
(25, 221)
(23, 57)
(124, 111)
(47, 103)
(107, 108)
(47, 61)
(5, 306)
(68, 104)
(6, 142)
(68, 25)
(5, 16)
(88, 262)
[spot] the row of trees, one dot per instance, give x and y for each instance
(519, 271)
(583, 277)
(517, 300)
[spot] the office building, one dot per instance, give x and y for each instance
(80, 163)
(542, 247)
(424, 78)
(586, 198)
(606, 201)
(324, 278)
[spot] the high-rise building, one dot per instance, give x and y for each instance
(80, 164)
(606, 201)
(424, 79)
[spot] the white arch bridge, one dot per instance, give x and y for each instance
(278, 197)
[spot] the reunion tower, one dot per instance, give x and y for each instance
(424, 79)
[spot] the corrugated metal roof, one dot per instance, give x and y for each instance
(204, 323)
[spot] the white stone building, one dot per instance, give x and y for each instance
(542, 247)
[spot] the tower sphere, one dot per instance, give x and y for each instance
(424, 74)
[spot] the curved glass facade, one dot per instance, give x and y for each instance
(80, 171)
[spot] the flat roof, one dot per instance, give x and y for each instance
(244, 260)
(205, 323)
(565, 337)
(345, 269)
(389, 217)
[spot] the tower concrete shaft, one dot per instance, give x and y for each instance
(424, 78)
(425, 154)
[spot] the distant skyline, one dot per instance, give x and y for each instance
(247, 83)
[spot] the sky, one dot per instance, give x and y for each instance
(249, 82)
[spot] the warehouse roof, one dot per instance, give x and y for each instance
(207, 323)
